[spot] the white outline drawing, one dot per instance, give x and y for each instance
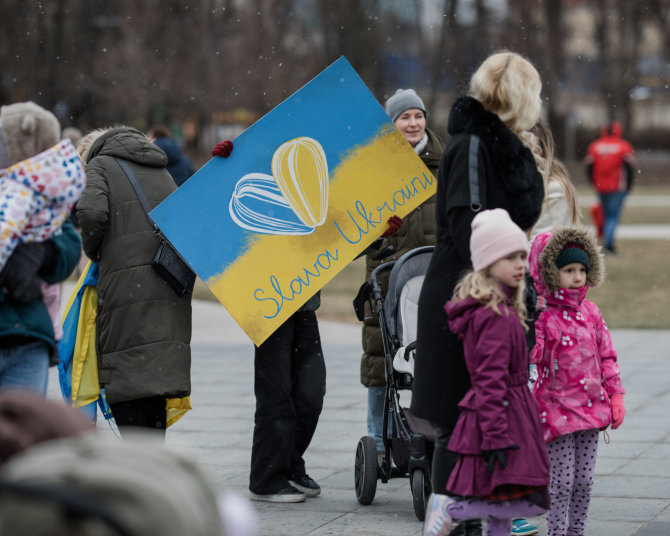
(290, 203)
(263, 189)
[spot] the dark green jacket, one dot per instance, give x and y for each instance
(143, 327)
(32, 319)
(419, 228)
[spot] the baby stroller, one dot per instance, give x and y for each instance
(410, 446)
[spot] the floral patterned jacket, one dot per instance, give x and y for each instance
(574, 354)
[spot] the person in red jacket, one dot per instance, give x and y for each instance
(610, 160)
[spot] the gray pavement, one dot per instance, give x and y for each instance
(632, 489)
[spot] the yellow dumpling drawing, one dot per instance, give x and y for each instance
(300, 170)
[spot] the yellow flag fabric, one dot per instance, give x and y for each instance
(85, 386)
(84, 380)
(176, 408)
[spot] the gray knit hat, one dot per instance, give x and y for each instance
(27, 130)
(403, 99)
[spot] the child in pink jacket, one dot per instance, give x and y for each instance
(578, 388)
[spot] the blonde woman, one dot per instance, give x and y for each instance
(487, 164)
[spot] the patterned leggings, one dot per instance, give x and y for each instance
(573, 463)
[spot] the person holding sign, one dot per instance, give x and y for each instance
(408, 113)
(487, 164)
(289, 385)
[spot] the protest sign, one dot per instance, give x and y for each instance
(306, 189)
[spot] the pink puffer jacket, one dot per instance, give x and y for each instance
(576, 361)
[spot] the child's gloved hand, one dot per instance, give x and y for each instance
(496, 455)
(618, 410)
(223, 148)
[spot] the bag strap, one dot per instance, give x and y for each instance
(138, 190)
(473, 173)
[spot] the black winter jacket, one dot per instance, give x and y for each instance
(485, 166)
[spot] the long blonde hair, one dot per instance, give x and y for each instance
(483, 288)
(508, 85)
(552, 168)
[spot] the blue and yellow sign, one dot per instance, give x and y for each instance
(307, 188)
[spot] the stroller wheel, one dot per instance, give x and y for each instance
(421, 489)
(365, 470)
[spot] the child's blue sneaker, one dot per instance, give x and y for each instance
(521, 527)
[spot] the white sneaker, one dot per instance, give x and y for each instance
(438, 522)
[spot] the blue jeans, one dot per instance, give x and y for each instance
(25, 367)
(376, 416)
(612, 204)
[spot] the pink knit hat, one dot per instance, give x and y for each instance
(494, 235)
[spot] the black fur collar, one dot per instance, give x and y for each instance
(517, 169)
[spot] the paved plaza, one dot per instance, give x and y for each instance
(632, 490)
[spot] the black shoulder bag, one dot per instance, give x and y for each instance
(167, 262)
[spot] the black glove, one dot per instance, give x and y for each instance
(19, 279)
(530, 298)
(496, 455)
(50, 258)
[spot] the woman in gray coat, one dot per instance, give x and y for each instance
(143, 326)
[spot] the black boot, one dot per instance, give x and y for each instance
(473, 527)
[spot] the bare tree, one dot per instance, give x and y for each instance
(98, 62)
(659, 13)
(618, 34)
(447, 57)
(553, 55)
(351, 28)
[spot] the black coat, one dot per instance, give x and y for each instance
(483, 153)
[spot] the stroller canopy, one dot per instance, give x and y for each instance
(412, 264)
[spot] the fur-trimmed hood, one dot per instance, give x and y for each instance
(545, 250)
(515, 163)
(129, 144)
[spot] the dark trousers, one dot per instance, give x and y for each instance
(143, 412)
(289, 384)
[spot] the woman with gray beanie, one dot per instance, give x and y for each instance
(408, 113)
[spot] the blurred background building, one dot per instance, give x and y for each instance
(209, 68)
